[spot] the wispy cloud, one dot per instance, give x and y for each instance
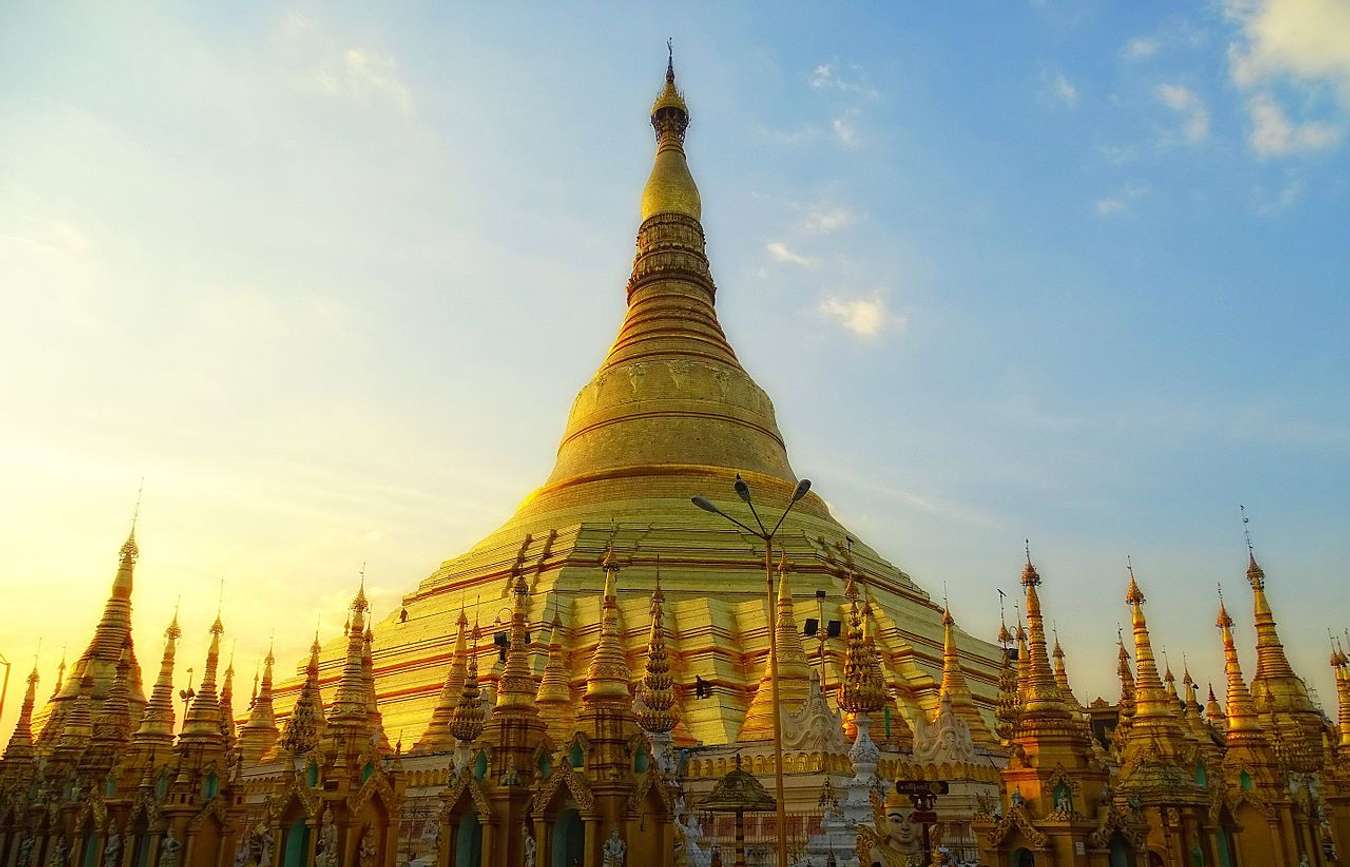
(1273, 134)
(850, 79)
(866, 316)
(823, 220)
(1301, 46)
(781, 252)
(1268, 204)
(335, 66)
(55, 235)
(844, 128)
(1140, 48)
(1185, 102)
(1110, 206)
(1057, 88)
(374, 76)
(1118, 155)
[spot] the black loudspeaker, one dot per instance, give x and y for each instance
(833, 629)
(812, 626)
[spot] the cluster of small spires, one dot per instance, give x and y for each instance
(1034, 690)
(1270, 722)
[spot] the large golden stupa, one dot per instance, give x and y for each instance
(670, 414)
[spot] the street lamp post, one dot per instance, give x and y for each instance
(766, 535)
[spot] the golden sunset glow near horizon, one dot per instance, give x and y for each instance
(329, 279)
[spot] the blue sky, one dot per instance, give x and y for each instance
(329, 277)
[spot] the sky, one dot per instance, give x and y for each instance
(329, 276)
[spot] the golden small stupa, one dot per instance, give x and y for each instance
(670, 414)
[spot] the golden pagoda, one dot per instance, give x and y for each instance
(100, 659)
(1280, 694)
(671, 413)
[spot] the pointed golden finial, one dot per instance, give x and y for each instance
(466, 723)
(1241, 713)
(1030, 577)
(130, 551)
(359, 603)
(670, 188)
(1213, 712)
(1256, 576)
(656, 689)
(516, 687)
(953, 688)
(607, 675)
(157, 720)
(1004, 636)
(136, 511)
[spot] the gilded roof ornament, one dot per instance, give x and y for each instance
(554, 697)
(794, 671)
(516, 687)
(607, 675)
(466, 724)
(670, 187)
(19, 753)
(437, 736)
(656, 690)
(306, 723)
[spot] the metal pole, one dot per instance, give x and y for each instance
(777, 714)
(4, 689)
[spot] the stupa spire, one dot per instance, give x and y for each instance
(201, 723)
(516, 688)
(19, 755)
(60, 673)
(1151, 700)
(554, 697)
(1042, 699)
(608, 674)
(113, 632)
(374, 719)
(227, 728)
(1281, 695)
(257, 736)
(859, 691)
(1170, 680)
(1242, 720)
(349, 702)
(1125, 674)
(466, 723)
(157, 721)
(1009, 704)
(794, 670)
(1191, 711)
(78, 730)
(1341, 664)
(307, 723)
(1155, 737)
(437, 737)
(670, 188)
(954, 690)
(1213, 712)
(656, 690)
(1271, 661)
(671, 394)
